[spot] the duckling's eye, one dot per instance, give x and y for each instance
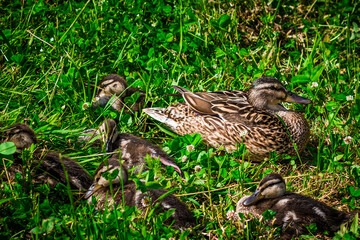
(273, 184)
(102, 86)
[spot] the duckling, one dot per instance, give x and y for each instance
(133, 149)
(100, 182)
(294, 212)
(114, 84)
(105, 134)
(21, 135)
(46, 167)
(124, 192)
(227, 118)
(51, 170)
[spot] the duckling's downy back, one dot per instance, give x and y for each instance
(128, 195)
(294, 212)
(132, 148)
(45, 166)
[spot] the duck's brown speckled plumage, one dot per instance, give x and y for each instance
(294, 212)
(45, 167)
(226, 118)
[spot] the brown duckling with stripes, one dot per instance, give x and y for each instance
(46, 166)
(125, 192)
(114, 84)
(294, 212)
(21, 135)
(133, 149)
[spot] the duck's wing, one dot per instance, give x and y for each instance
(203, 102)
(199, 102)
(230, 106)
(241, 112)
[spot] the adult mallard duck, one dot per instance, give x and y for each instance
(114, 84)
(133, 149)
(294, 212)
(226, 118)
(122, 191)
(46, 166)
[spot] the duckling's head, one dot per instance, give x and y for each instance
(112, 84)
(271, 186)
(108, 133)
(268, 92)
(21, 135)
(115, 174)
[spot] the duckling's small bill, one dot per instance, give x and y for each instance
(256, 196)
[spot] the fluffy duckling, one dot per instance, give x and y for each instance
(21, 135)
(133, 149)
(100, 182)
(105, 134)
(46, 167)
(125, 192)
(114, 84)
(227, 118)
(294, 212)
(51, 170)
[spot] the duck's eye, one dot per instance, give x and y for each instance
(275, 88)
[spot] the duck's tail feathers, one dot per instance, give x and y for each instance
(181, 89)
(160, 115)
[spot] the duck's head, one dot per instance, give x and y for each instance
(21, 135)
(271, 186)
(110, 172)
(108, 133)
(268, 92)
(112, 84)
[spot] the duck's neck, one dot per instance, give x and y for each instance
(297, 126)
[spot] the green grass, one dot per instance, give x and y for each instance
(53, 54)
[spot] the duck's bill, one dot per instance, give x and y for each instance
(256, 196)
(108, 146)
(92, 189)
(294, 98)
(102, 101)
